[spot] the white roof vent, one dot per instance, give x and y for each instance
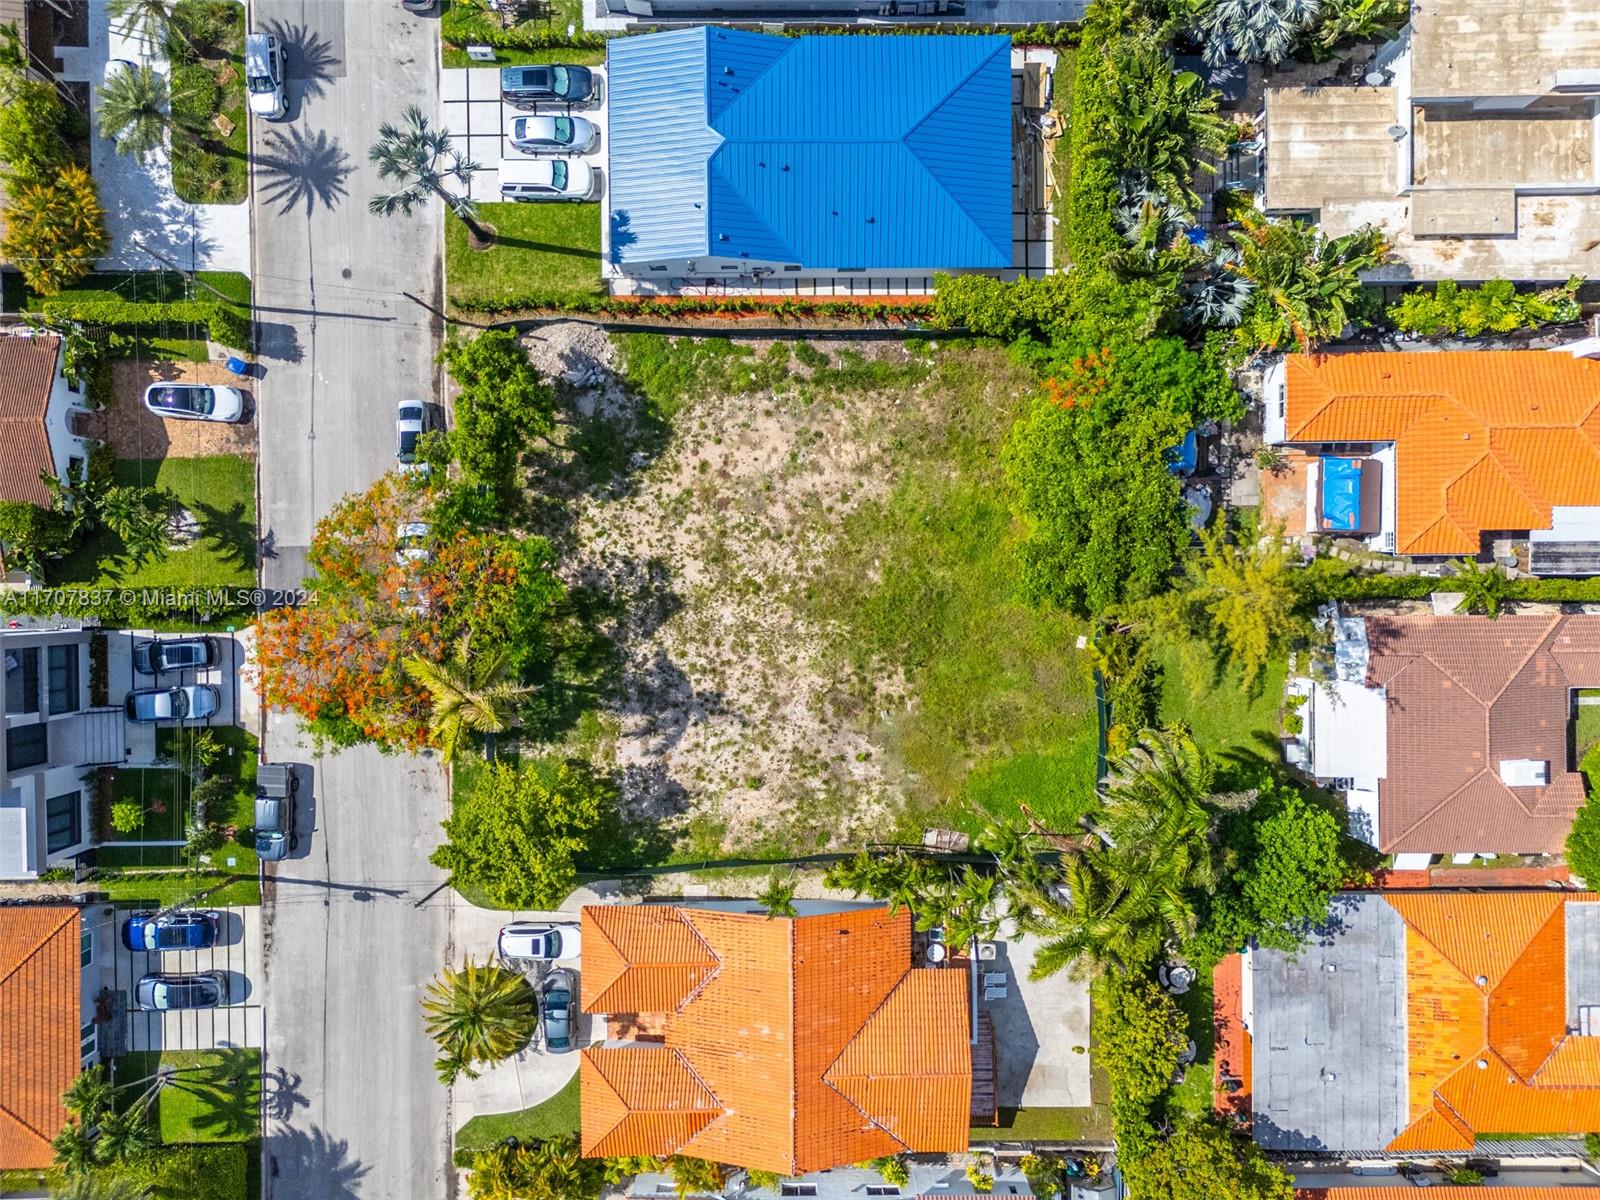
(1578, 79)
(1524, 772)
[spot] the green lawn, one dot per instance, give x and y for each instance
(503, 57)
(1585, 723)
(219, 491)
(542, 250)
(214, 1096)
(1000, 709)
(137, 286)
(1193, 1096)
(1046, 1125)
(557, 1115)
(165, 890)
(1226, 720)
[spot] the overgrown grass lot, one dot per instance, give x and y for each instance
(806, 557)
(219, 492)
(541, 251)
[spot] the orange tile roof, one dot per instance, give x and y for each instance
(40, 1017)
(1484, 440)
(790, 1045)
(1436, 1192)
(1488, 1046)
(27, 373)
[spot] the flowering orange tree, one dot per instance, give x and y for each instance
(337, 659)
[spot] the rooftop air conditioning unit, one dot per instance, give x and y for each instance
(1524, 772)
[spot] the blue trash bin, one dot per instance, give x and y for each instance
(238, 366)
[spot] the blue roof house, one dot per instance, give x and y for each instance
(831, 153)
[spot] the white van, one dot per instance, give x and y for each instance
(534, 179)
(263, 75)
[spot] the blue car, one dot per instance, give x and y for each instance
(155, 932)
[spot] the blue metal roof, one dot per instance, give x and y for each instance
(832, 151)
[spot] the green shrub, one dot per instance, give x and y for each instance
(229, 327)
(194, 89)
(1583, 839)
(469, 22)
(1493, 307)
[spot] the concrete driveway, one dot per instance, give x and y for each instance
(224, 677)
(1038, 1026)
(237, 955)
(536, 1074)
(480, 125)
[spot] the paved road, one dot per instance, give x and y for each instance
(353, 1107)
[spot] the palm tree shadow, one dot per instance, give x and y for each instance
(228, 1104)
(309, 60)
(229, 532)
(312, 1156)
(547, 247)
(299, 168)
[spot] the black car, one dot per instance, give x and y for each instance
(421, 8)
(523, 87)
(558, 1011)
(173, 993)
(177, 654)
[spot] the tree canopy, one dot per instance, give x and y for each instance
(522, 832)
(1203, 1160)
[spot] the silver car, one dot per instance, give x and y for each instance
(263, 75)
(170, 993)
(561, 135)
(195, 702)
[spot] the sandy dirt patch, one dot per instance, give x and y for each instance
(133, 431)
(727, 710)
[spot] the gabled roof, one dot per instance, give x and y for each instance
(40, 1014)
(27, 372)
(1484, 440)
(825, 151)
(806, 1043)
(1492, 1016)
(1464, 694)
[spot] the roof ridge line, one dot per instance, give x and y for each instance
(40, 945)
(794, 1057)
(1549, 632)
(1446, 799)
(1557, 910)
(627, 1109)
(790, 44)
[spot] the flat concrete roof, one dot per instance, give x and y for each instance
(1464, 212)
(1549, 144)
(1556, 236)
(1500, 47)
(1329, 1036)
(1583, 959)
(1326, 144)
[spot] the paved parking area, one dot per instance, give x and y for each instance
(534, 1075)
(237, 955)
(480, 124)
(1037, 1026)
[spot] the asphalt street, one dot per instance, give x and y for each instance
(353, 1108)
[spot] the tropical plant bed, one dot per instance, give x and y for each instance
(208, 82)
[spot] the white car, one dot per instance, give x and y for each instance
(410, 423)
(561, 135)
(534, 179)
(411, 543)
(541, 943)
(263, 76)
(194, 401)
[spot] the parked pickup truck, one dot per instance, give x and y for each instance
(277, 807)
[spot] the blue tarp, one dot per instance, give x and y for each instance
(1341, 494)
(1185, 456)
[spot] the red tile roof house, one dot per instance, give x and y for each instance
(1440, 454)
(48, 983)
(778, 1044)
(36, 403)
(1453, 734)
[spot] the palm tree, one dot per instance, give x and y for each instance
(1306, 285)
(778, 896)
(89, 1096)
(422, 160)
(1163, 120)
(1483, 589)
(125, 1135)
(74, 1148)
(140, 516)
(55, 229)
(480, 1014)
(138, 115)
(469, 693)
(1255, 30)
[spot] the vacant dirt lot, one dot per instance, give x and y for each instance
(133, 431)
(728, 712)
